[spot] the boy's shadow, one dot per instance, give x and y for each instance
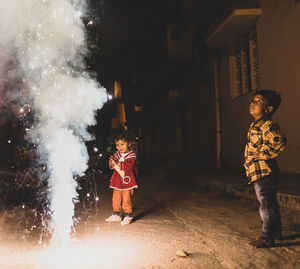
(290, 244)
(291, 237)
(288, 238)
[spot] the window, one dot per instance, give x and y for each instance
(244, 64)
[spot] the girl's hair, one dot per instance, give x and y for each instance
(129, 137)
(123, 135)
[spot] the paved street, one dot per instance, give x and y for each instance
(171, 214)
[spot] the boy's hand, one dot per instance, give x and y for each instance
(256, 155)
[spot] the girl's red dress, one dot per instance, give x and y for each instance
(127, 162)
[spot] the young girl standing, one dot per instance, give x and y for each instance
(123, 180)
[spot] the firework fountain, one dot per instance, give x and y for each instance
(46, 39)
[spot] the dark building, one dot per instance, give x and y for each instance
(188, 70)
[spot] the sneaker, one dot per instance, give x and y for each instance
(113, 218)
(126, 220)
(260, 244)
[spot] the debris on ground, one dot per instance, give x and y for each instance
(182, 254)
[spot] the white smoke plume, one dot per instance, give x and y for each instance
(43, 43)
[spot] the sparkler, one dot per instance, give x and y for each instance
(47, 38)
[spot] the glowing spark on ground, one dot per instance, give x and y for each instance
(96, 251)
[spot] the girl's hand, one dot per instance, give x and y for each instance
(112, 163)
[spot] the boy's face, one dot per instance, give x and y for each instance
(122, 146)
(259, 107)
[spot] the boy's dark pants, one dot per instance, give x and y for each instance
(266, 193)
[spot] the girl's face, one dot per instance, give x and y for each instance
(122, 146)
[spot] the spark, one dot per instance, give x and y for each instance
(90, 23)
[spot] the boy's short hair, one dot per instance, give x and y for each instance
(273, 98)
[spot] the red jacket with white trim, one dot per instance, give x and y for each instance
(127, 163)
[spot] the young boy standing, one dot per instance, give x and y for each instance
(265, 142)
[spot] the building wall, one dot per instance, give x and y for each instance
(279, 41)
(279, 59)
(203, 126)
(235, 119)
(181, 124)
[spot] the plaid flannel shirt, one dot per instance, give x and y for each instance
(264, 136)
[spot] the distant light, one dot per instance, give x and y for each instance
(88, 195)
(9, 141)
(109, 97)
(100, 155)
(95, 149)
(97, 198)
(138, 108)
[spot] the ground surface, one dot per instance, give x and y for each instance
(171, 214)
